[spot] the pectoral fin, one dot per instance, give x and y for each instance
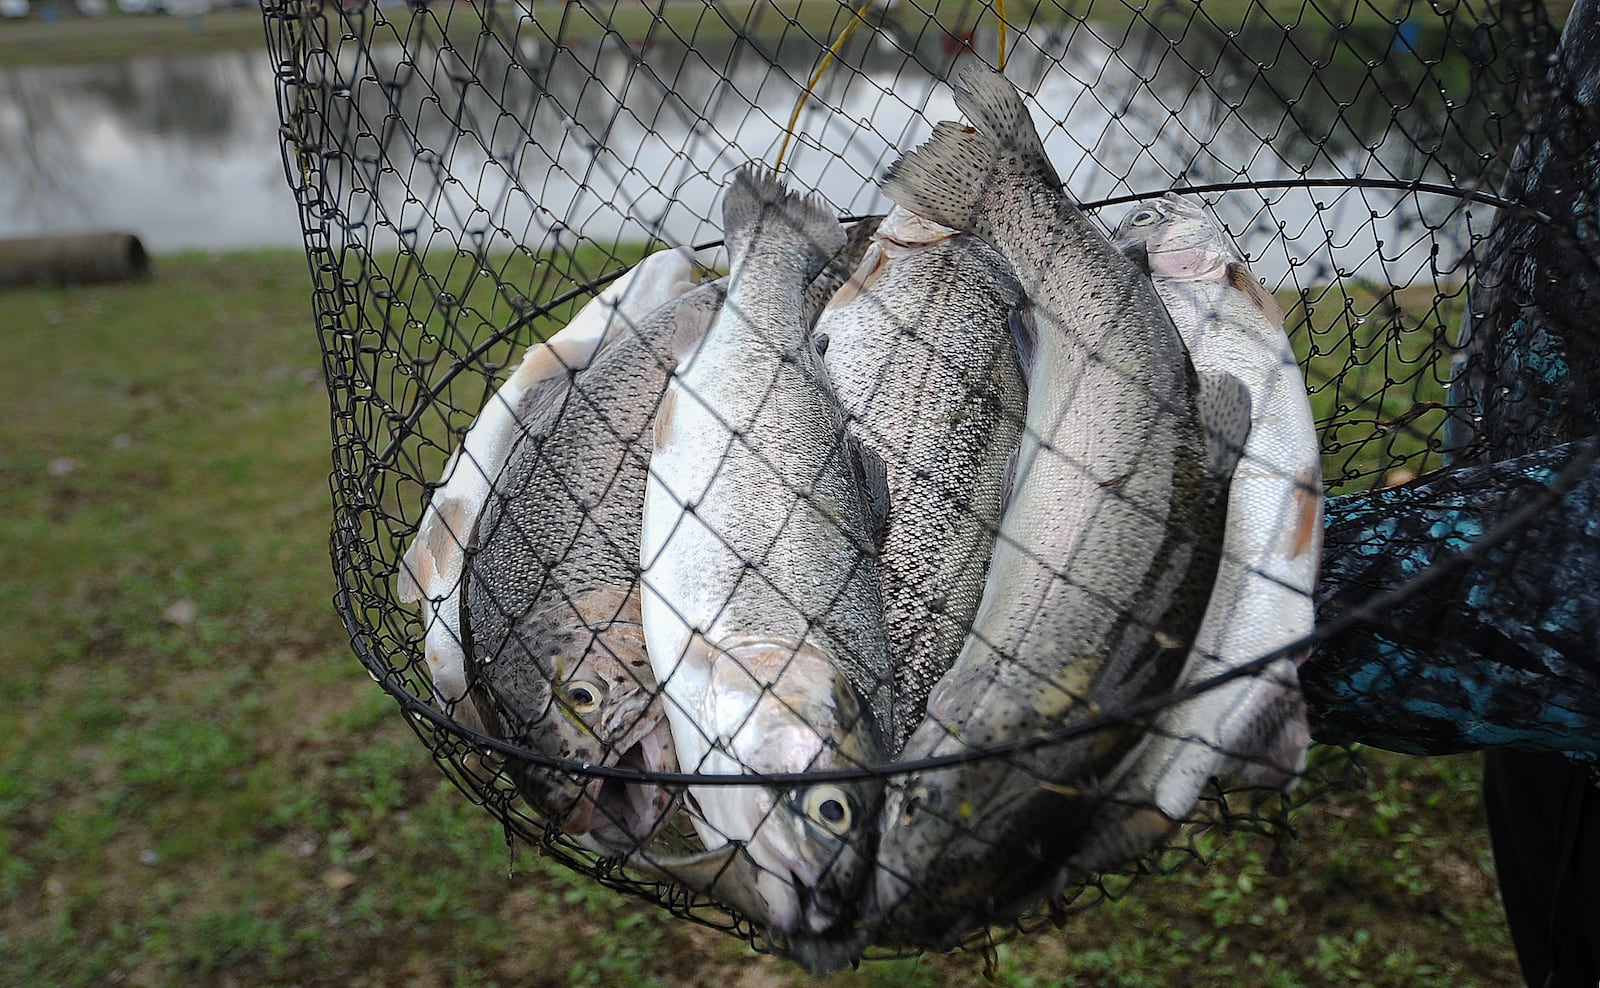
(726, 874)
(874, 475)
(1307, 512)
(432, 565)
(1224, 406)
(1240, 277)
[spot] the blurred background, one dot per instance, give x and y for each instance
(198, 782)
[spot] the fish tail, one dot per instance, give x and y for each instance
(758, 208)
(994, 107)
(947, 178)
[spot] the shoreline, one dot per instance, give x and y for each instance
(78, 40)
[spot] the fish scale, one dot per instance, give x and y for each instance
(430, 571)
(1105, 557)
(761, 611)
(554, 597)
(551, 605)
(1253, 727)
(921, 357)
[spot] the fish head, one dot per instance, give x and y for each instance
(945, 865)
(968, 844)
(903, 227)
(1175, 238)
(572, 682)
(777, 707)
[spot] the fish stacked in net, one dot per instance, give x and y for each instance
(468, 178)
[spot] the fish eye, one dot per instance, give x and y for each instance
(917, 799)
(583, 697)
(830, 808)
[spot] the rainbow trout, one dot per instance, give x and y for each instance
(551, 612)
(430, 570)
(1106, 554)
(1253, 727)
(920, 353)
(761, 608)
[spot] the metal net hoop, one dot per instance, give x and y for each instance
(468, 175)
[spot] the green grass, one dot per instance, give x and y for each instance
(1376, 363)
(82, 40)
(231, 799)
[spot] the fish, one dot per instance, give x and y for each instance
(762, 612)
(551, 614)
(430, 569)
(920, 354)
(1105, 559)
(1253, 728)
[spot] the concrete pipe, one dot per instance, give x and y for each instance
(71, 259)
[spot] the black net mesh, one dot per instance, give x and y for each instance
(471, 175)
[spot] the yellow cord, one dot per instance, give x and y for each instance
(1000, 13)
(856, 21)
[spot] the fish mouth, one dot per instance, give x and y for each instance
(625, 814)
(819, 911)
(825, 942)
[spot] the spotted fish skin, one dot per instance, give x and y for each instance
(1106, 555)
(920, 353)
(762, 612)
(430, 570)
(1253, 728)
(550, 611)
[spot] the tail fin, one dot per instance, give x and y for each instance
(995, 108)
(945, 179)
(841, 266)
(757, 207)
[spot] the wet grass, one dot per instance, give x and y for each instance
(200, 785)
(1377, 359)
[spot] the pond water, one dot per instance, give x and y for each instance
(181, 151)
(489, 146)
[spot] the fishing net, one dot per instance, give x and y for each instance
(469, 175)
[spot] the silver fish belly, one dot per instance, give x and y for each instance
(551, 606)
(920, 353)
(1253, 727)
(1105, 558)
(761, 606)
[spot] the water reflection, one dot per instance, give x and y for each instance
(181, 151)
(514, 140)
(487, 138)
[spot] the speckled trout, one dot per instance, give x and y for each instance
(1253, 728)
(1106, 554)
(920, 353)
(551, 614)
(430, 570)
(761, 605)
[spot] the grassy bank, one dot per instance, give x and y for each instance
(200, 785)
(79, 40)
